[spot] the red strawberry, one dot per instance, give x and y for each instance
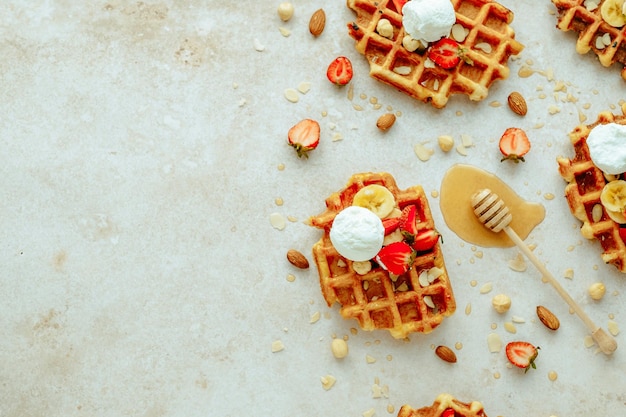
(446, 53)
(407, 220)
(396, 257)
(340, 71)
(448, 412)
(399, 4)
(514, 144)
(425, 240)
(391, 224)
(622, 232)
(522, 354)
(304, 136)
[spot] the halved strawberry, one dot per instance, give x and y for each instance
(396, 258)
(391, 224)
(399, 4)
(514, 144)
(447, 53)
(522, 354)
(425, 240)
(304, 136)
(448, 412)
(622, 232)
(340, 71)
(407, 221)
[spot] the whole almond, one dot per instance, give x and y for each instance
(386, 121)
(548, 318)
(317, 22)
(517, 103)
(446, 354)
(297, 259)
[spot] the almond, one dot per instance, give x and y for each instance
(446, 354)
(548, 318)
(317, 22)
(297, 259)
(517, 103)
(386, 121)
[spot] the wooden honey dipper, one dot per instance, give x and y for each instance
(495, 216)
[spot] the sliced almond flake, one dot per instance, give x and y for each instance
(613, 327)
(428, 300)
(403, 70)
(278, 221)
(606, 39)
(495, 103)
(468, 309)
(328, 381)
(588, 341)
(341, 263)
(590, 5)
(429, 63)
(560, 86)
(284, 31)
(362, 267)
(370, 359)
(486, 288)
(467, 141)
(304, 87)
(258, 46)
(403, 287)
(315, 317)
(459, 33)
(494, 343)
(357, 107)
(434, 273)
(518, 263)
(350, 91)
(436, 85)
(461, 150)
(423, 279)
(336, 137)
(422, 152)
(369, 413)
(518, 319)
(568, 273)
(291, 94)
(483, 46)
(554, 109)
(277, 346)
(510, 327)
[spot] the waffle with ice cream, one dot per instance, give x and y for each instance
(380, 257)
(596, 189)
(432, 49)
(600, 26)
(445, 405)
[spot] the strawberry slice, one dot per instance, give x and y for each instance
(514, 144)
(522, 354)
(340, 71)
(446, 53)
(391, 224)
(448, 412)
(425, 240)
(399, 4)
(304, 136)
(407, 221)
(622, 232)
(396, 258)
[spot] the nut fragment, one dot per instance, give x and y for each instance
(501, 303)
(446, 354)
(597, 290)
(548, 318)
(517, 103)
(339, 347)
(317, 22)
(386, 121)
(446, 142)
(297, 259)
(285, 11)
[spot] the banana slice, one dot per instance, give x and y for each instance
(375, 198)
(613, 196)
(612, 13)
(616, 216)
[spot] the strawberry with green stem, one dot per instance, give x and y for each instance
(522, 355)
(304, 136)
(514, 144)
(397, 257)
(447, 53)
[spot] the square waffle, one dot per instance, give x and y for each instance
(591, 28)
(378, 299)
(441, 404)
(585, 184)
(487, 23)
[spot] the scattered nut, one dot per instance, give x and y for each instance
(446, 142)
(339, 347)
(517, 103)
(501, 303)
(445, 354)
(548, 318)
(285, 11)
(597, 290)
(297, 259)
(386, 121)
(317, 22)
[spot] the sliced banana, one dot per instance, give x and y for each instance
(613, 13)
(616, 216)
(375, 198)
(613, 196)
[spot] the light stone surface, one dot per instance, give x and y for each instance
(140, 152)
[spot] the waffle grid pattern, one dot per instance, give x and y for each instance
(486, 21)
(376, 299)
(461, 409)
(585, 184)
(574, 16)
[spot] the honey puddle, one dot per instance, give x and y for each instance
(458, 186)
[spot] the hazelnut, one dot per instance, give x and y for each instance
(501, 303)
(597, 290)
(339, 347)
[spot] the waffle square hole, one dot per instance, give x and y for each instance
(409, 311)
(374, 290)
(345, 295)
(382, 318)
(587, 182)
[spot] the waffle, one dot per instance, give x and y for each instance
(377, 299)
(416, 75)
(573, 15)
(442, 403)
(585, 183)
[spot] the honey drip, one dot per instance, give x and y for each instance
(458, 186)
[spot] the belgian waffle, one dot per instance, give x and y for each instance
(377, 299)
(414, 74)
(585, 184)
(591, 28)
(442, 403)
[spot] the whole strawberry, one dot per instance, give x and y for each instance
(304, 136)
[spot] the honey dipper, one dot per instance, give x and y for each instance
(495, 216)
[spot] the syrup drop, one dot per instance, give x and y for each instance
(458, 186)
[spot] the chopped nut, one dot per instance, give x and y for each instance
(339, 347)
(385, 28)
(411, 44)
(486, 288)
(422, 152)
(548, 318)
(446, 142)
(362, 267)
(510, 327)
(328, 381)
(501, 303)
(597, 290)
(494, 343)
(277, 346)
(613, 327)
(297, 259)
(446, 354)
